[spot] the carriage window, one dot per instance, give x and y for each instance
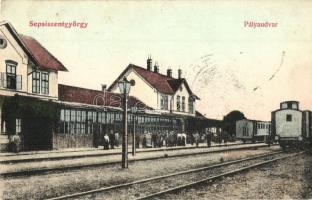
(288, 118)
(295, 106)
(284, 105)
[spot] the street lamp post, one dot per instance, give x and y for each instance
(124, 86)
(134, 110)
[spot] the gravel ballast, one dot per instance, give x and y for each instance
(286, 179)
(57, 184)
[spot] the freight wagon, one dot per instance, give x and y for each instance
(292, 127)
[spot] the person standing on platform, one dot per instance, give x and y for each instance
(196, 137)
(154, 139)
(144, 140)
(16, 143)
(137, 140)
(208, 137)
(225, 136)
(175, 139)
(117, 139)
(112, 139)
(106, 142)
(191, 138)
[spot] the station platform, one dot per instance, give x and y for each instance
(99, 150)
(65, 160)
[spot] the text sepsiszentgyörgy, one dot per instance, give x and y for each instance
(62, 24)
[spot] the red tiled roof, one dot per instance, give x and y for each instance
(68, 93)
(160, 82)
(44, 58)
(175, 83)
(39, 55)
(157, 80)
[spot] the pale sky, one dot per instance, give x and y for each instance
(222, 60)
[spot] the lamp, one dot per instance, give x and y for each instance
(124, 86)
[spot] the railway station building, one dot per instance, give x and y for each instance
(47, 115)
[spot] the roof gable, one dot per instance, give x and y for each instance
(45, 59)
(160, 82)
(39, 55)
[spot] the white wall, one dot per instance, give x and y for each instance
(285, 128)
(151, 97)
(15, 53)
(182, 93)
(141, 90)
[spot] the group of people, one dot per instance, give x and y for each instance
(166, 138)
(160, 139)
(197, 138)
(111, 140)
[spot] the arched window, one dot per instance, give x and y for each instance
(183, 104)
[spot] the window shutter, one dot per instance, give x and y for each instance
(1, 79)
(19, 82)
(4, 80)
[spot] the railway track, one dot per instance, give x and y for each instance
(37, 171)
(162, 185)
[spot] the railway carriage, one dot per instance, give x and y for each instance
(252, 130)
(291, 126)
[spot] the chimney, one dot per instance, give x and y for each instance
(104, 87)
(169, 72)
(149, 63)
(156, 67)
(179, 73)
